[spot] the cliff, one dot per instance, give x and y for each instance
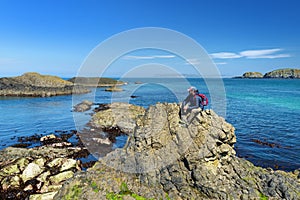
(283, 73)
(164, 160)
(37, 85)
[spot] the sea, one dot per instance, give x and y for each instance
(264, 112)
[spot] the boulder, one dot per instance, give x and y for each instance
(58, 178)
(31, 171)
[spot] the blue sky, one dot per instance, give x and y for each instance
(54, 37)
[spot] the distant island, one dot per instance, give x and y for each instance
(33, 84)
(96, 82)
(286, 73)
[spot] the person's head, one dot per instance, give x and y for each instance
(192, 90)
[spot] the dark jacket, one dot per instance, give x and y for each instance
(196, 102)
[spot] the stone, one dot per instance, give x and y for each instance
(31, 171)
(83, 106)
(44, 176)
(48, 137)
(55, 162)
(58, 178)
(68, 164)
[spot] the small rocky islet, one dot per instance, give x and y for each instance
(161, 160)
(33, 84)
(287, 73)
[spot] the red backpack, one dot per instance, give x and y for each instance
(204, 99)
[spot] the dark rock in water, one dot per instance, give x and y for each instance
(96, 82)
(113, 89)
(133, 96)
(37, 85)
(83, 106)
(164, 160)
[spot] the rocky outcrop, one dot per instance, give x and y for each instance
(96, 82)
(283, 73)
(83, 106)
(252, 75)
(164, 160)
(36, 85)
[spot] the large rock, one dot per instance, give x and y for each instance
(31, 171)
(119, 115)
(37, 85)
(163, 160)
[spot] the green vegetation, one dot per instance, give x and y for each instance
(74, 193)
(124, 191)
(263, 197)
(95, 187)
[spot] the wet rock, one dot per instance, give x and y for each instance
(83, 106)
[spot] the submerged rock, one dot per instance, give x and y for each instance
(163, 160)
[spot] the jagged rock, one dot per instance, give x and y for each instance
(163, 160)
(37, 85)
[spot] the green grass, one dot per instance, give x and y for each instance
(124, 191)
(74, 193)
(263, 197)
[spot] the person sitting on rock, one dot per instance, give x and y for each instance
(185, 104)
(191, 105)
(194, 107)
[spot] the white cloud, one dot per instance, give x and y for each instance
(130, 57)
(252, 54)
(220, 63)
(225, 55)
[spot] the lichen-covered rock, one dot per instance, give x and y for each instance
(31, 171)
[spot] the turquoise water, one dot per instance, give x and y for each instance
(265, 110)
